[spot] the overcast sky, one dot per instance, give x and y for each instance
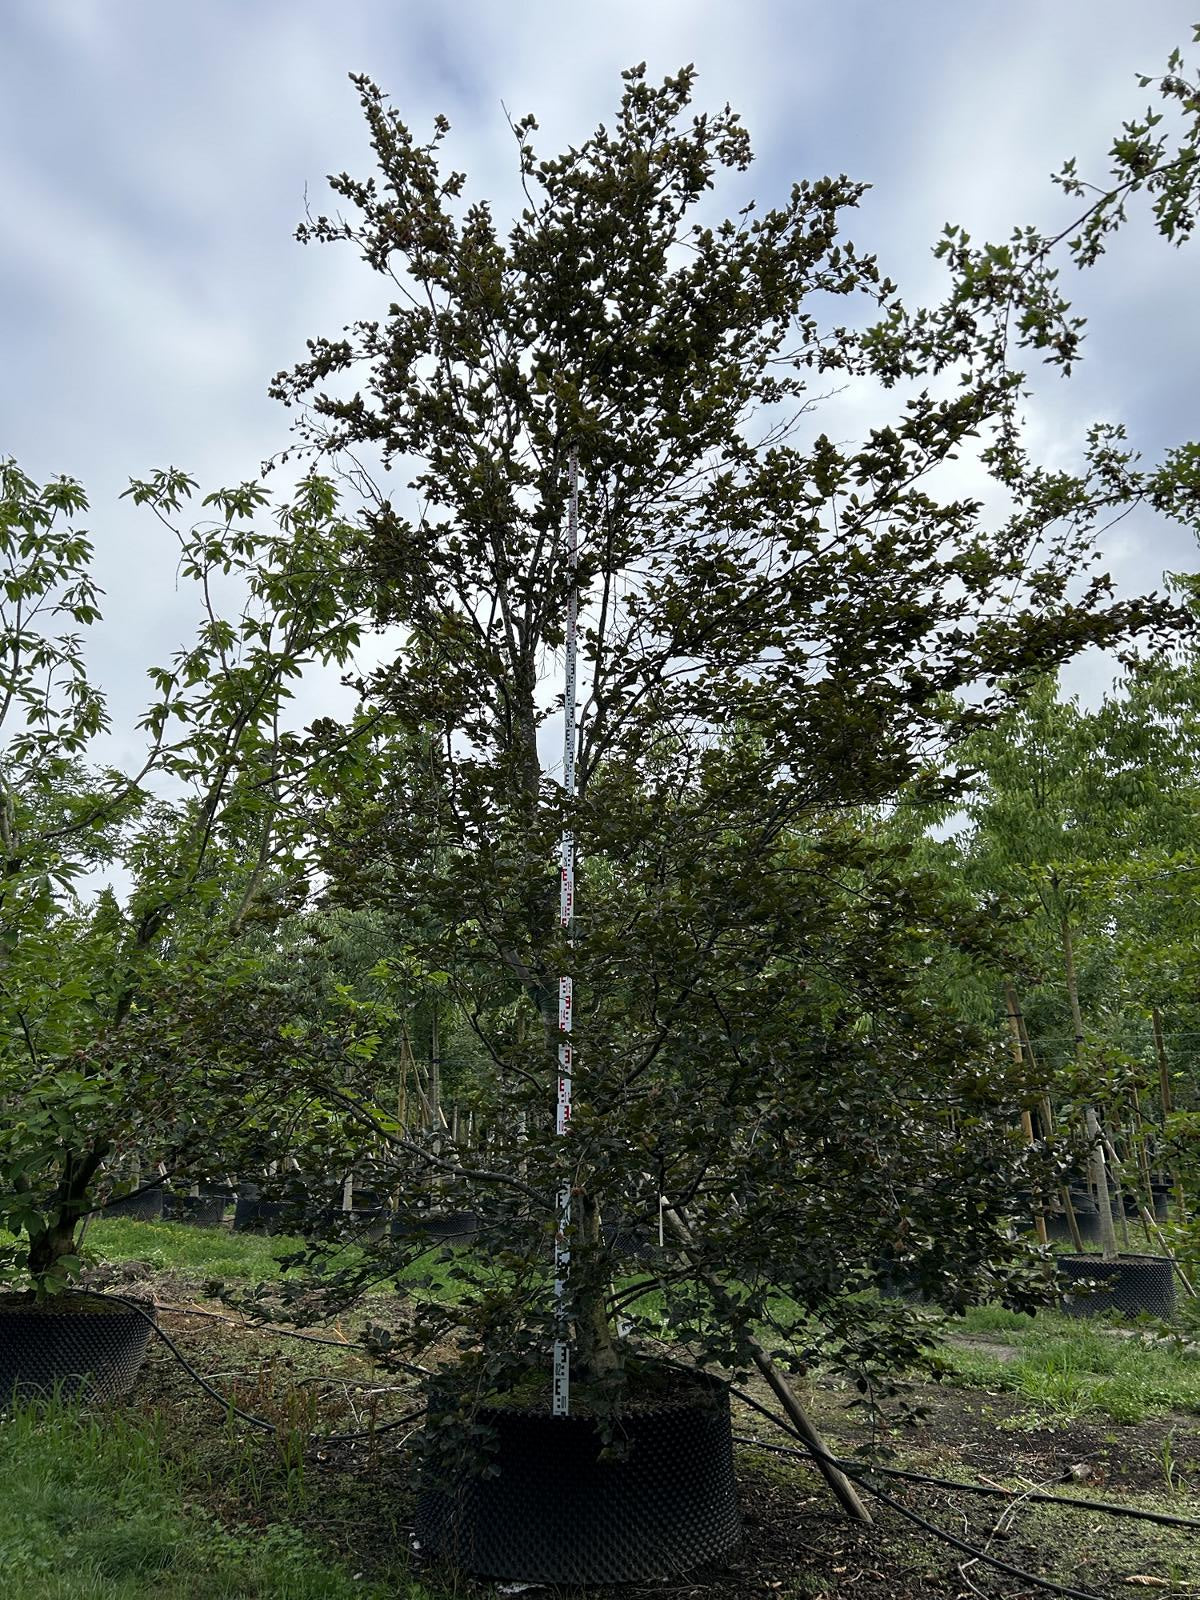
(155, 156)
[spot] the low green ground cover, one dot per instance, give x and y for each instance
(202, 1255)
(190, 1251)
(1069, 1368)
(93, 1509)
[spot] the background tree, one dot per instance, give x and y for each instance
(105, 1046)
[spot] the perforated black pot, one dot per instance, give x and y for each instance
(1133, 1204)
(633, 1237)
(563, 1509)
(201, 1210)
(293, 1205)
(253, 1215)
(370, 1225)
(88, 1348)
(1131, 1285)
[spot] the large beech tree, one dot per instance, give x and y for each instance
(777, 629)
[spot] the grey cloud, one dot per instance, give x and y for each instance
(154, 159)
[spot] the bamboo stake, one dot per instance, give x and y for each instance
(1072, 1219)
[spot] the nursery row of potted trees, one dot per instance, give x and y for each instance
(778, 639)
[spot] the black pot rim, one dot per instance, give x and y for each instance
(1123, 1258)
(89, 1299)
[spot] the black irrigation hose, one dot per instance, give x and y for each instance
(1038, 1496)
(246, 1416)
(858, 1471)
(976, 1553)
(1167, 1518)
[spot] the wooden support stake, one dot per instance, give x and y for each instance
(845, 1492)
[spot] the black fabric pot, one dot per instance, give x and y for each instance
(144, 1207)
(561, 1509)
(201, 1210)
(1131, 1285)
(92, 1350)
(449, 1227)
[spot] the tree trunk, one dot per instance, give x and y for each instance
(595, 1346)
(51, 1244)
(1014, 1031)
(435, 1076)
(1108, 1237)
(406, 1062)
(1168, 1105)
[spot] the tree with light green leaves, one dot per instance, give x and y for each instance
(111, 1005)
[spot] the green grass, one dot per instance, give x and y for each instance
(193, 1252)
(92, 1510)
(201, 1254)
(1069, 1369)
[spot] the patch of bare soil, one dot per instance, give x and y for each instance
(965, 1432)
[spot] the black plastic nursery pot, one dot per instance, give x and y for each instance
(1133, 1204)
(251, 1214)
(634, 1237)
(1132, 1285)
(560, 1507)
(79, 1345)
(143, 1206)
(450, 1227)
(1086, 1215)
(370, 1225)
(200, 1210)
(302, 1206)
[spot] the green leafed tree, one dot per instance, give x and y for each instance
(111, 1004)
(777, 630)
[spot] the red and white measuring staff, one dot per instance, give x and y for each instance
(561, 1403)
